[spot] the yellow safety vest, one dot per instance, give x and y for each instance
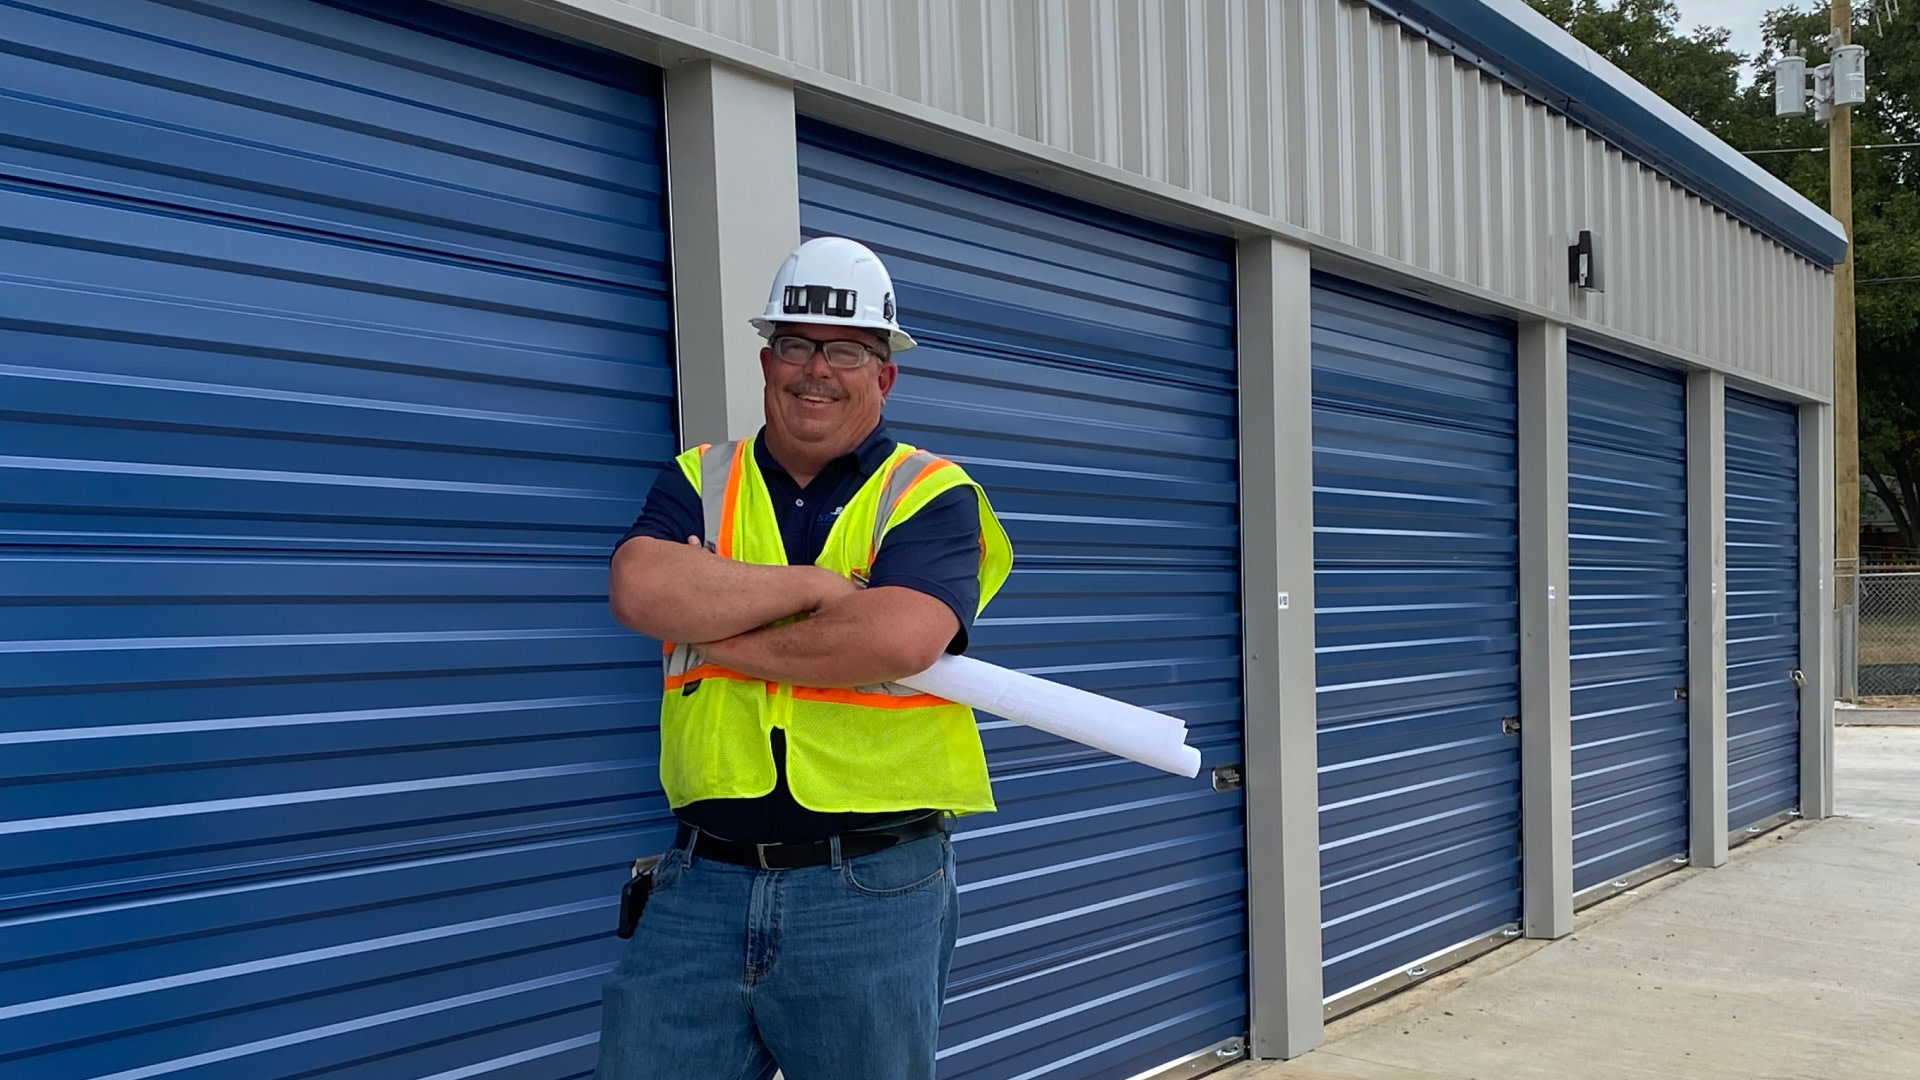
(872, 749)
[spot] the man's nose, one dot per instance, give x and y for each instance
(817, 366)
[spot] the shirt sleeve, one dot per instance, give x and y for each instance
(672, 512)
(937, 552)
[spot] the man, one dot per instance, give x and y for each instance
(805, 916)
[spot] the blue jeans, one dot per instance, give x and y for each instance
(832, 972)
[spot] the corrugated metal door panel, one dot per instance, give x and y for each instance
(333, 347)
(1416, 616)
(1763, 608)
(1627, 543)
(1081, 365)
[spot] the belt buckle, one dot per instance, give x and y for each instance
(760, 853)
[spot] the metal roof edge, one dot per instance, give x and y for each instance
(1524, 48)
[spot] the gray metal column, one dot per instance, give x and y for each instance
(1707, 618)
(1816, 610)
(733, 185)
(1276, 552)
(1546, 725)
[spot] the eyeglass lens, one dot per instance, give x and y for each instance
(800, 350)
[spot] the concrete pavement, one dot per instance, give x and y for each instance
(1876, 774)
(1798, 960)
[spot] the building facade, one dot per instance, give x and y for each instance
(341, 339)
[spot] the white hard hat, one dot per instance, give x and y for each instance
(833, 281)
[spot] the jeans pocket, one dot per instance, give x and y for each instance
(668, 869)
(899, 870)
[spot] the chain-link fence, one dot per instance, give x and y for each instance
(1879, 636)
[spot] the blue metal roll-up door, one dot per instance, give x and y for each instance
(1763, 608)
(1081, 365)
(1627, 545)
(333, 358)
(1416, 557)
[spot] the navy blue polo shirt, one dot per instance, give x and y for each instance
(936, 552)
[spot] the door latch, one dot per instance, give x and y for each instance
(1227, 778)
(1509, 725)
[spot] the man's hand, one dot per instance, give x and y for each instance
(685, 593)
(873, 636)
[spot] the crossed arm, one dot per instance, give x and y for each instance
(848, 636)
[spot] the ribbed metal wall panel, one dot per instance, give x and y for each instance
(1416, 560)
(1328, 117)
(1763, 608)
(333, 357)
(1081, 365)
(1627, 546)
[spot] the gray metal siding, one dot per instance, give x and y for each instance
(1326, 117)
(1079, 364)
(1627, 549)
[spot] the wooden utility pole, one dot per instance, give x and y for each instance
(1846, 416)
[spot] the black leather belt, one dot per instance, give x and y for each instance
(809, 853)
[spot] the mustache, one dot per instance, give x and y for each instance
(817, 388)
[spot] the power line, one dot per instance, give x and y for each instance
(1822, 149)
(1889, 280)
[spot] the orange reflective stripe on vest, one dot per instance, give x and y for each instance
(907, 474)
(729, 501)
(870, 699)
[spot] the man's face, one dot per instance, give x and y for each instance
(815, 403)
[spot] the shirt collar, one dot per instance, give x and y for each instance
(866, 459)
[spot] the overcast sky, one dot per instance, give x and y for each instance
(1742, 17)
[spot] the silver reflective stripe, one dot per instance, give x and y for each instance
(715, 466)
(903, 477)
(681, 660)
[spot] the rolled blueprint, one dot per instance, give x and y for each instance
(1128, 731)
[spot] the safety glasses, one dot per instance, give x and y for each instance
(842, 355)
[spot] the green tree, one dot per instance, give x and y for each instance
(1699, 75)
